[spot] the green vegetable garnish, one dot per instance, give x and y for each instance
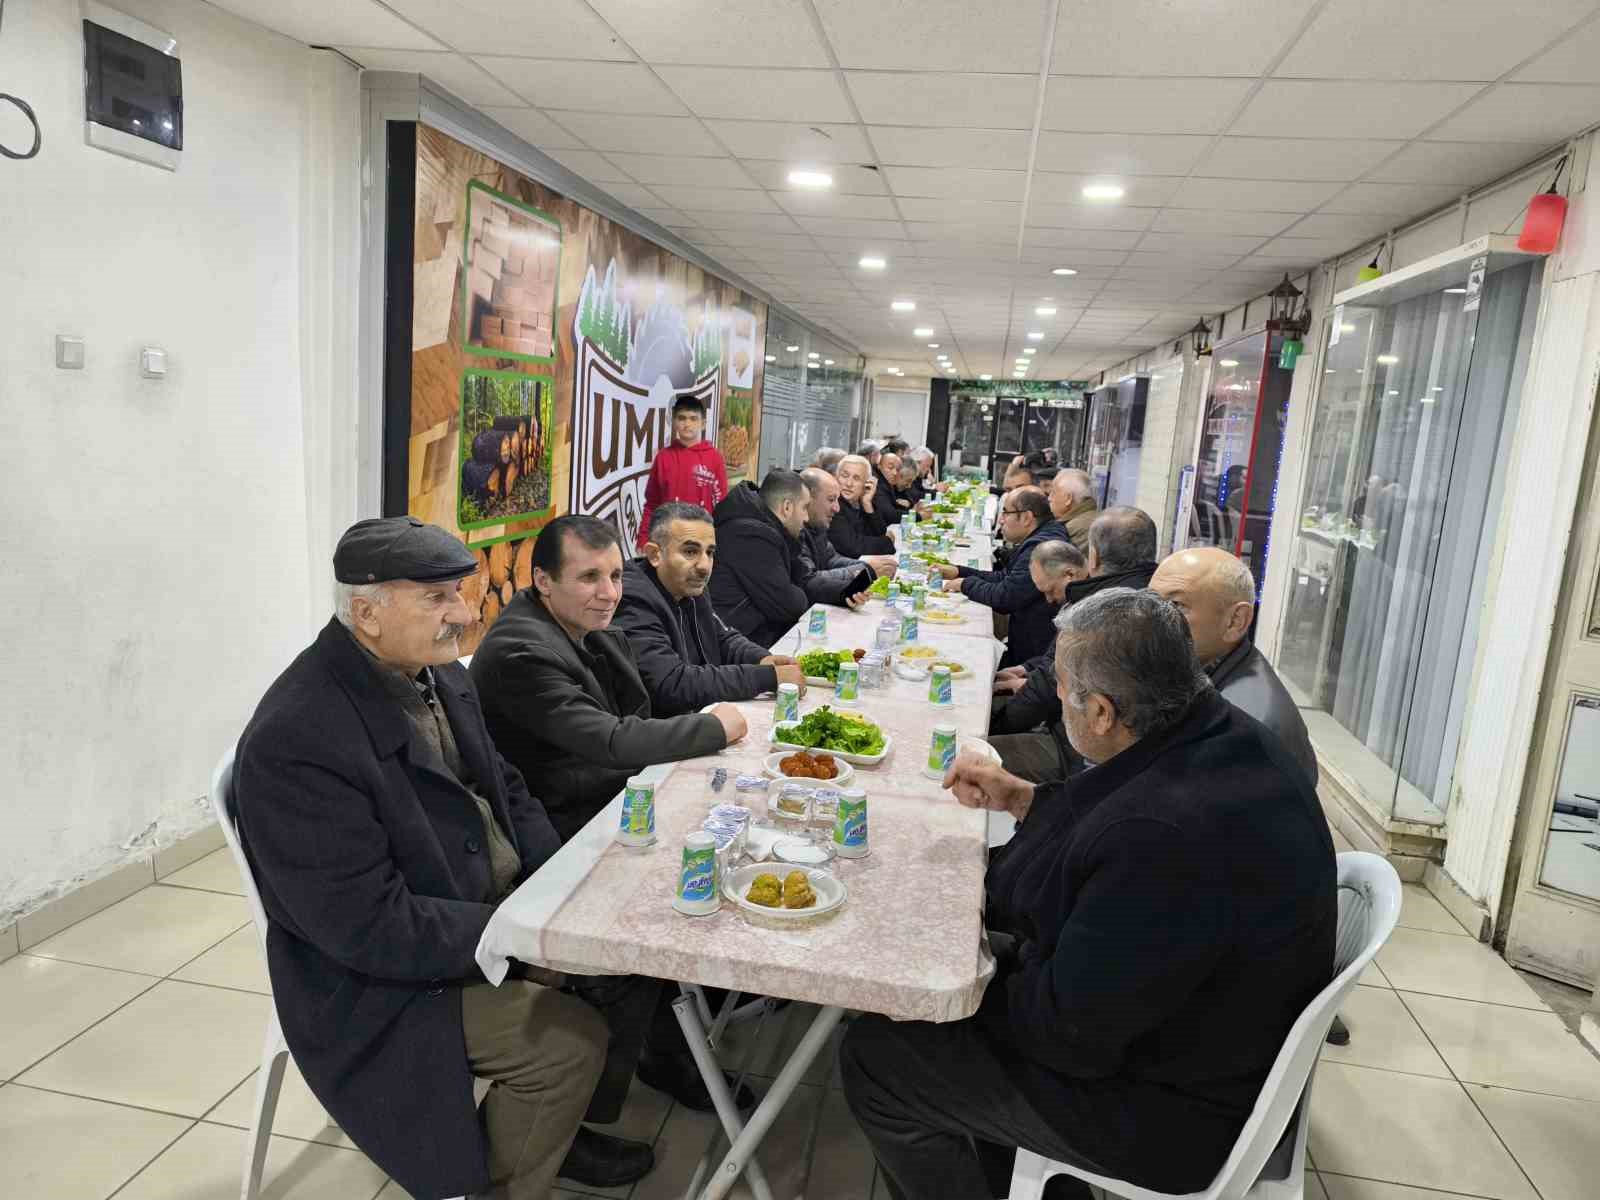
(824, 729)
(824, 664)
(937, 560)
(880, 586)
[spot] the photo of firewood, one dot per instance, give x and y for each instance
(506, 447)
(513, 255)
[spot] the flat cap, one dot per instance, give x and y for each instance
(385, 548)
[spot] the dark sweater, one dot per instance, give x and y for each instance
(1175, 912)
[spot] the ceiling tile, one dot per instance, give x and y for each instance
(1005, 149)
(1574, 59)
(565, 29)
(1140, 191)
(533, 127)
(894, 249)
(1256, 195)
(1215, 220)
(921, 98)
(1525, 112)
(1117, 153)
(589, 86)
(711, 199)
(1199, 243)
(764, 222)
(1159, 37)
(1091, 216)
(1153, 258)
(451, 71)
(850, 227)
(1340, 109)
(1465, 163)
(760, 94)
(848, 180)
(675, 170)
(1002, 213)
(1080, 239)
(1303, 250)
(318, 23)
(974, 183)
(756, 33)
(641, 135)
(747, 240)
(796, 144)
(1352, 227)
(830, 204)
(594, 167)
(1399, 199)
(1099, 104)
(939, 35)
(633, 195)
(1427, 39)
(1337, 159)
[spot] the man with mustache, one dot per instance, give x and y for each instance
(688, 656)
(382, 828)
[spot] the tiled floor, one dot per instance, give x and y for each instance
(129, 1043)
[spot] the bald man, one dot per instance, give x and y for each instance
(1215, 592)
(832, 577)
(1072, 502)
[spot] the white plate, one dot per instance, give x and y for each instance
(831, 893)
(861, 760)
(845, 769)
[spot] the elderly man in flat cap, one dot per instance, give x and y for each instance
(382, 828)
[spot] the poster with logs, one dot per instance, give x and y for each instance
(548, 345)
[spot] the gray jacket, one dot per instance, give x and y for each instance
(1247, 681)
(830, 576)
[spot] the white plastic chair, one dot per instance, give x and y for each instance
(1268, 1160)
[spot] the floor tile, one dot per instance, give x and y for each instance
(1570, 1003)
(154, 931)
(1344, 1187)
(1552, 1137)
(1408, 1129)
(644, 1113)
(8, 943)
(299, 1114)
(777, 1041)
(234, 962)
(842, 1169)
(207, 1163)
(45, 1003)
(1314, 1188)
(1383, 1034)
(216, 872)
(1508, 1047)
(68, 1148)
(82, 902)
(178, 1048)
(1415, 960)
(1373, 976)
(1419, 909)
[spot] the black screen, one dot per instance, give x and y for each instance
(132, 87)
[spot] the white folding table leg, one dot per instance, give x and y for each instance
(711, 1072)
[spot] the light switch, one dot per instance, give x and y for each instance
(69, 352)
(153, 363)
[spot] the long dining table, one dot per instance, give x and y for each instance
(907, 942)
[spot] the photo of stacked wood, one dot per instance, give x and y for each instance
(504, 569)
(511, 448)
(511, 279)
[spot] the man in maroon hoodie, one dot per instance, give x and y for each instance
(690, 470)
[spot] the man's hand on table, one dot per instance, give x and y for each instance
(734, 726)
(980, 782)
(883, 565)
(952, 585)
(787, 670)
(1006, 684)
(857, 602)
(948, 571)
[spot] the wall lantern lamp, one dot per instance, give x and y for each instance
(1200, 338)
(1289, 316)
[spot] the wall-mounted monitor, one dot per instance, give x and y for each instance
(133, 87)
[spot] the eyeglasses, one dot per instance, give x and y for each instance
(1011, 512)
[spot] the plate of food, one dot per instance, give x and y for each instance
(767, 890)
(844, 735)
(937, 616)
(818, 766)
(916, 662)
(821, 667)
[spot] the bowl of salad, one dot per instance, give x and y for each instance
(846, 736)
(821, 667)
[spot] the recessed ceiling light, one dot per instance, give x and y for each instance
(1347, 328)
(904, 306)
(949, 370)
(1104, 191)
(933, 345)
(1063, 271)
(871, 262)
(1330, 371)
(827, 362)
(1392, 393)
(1227, 362)
(791, 349)
(1388, 360)
(1436, 389)
(922, 331)
(1044, 312)
(1455, 291)
(985, 376)
(810, 179)
(813, 354)
(1035, 336)
(772, 358)
(1030, 350)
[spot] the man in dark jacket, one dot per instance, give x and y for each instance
(1026, 727)
(887, 500)
(758, 586)
(688, 656)
(1011, 591)
(831, 576)
(382, 828)
(858, 529)
(1158, 927)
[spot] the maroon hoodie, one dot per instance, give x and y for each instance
(691, 474)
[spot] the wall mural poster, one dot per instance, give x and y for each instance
(548, 345)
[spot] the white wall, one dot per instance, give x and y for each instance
(154, 549)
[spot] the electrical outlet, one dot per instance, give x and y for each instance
(69, 352)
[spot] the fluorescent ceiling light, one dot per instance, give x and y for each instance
(772, 358)
(1030, 350)
(985, 376)
(827, 362)
(922, 331)
(1063, 271)
(791, 349)
(933, 345)
(1436, 389)
(1330, 371)
(949, 370)
(1392, 393)
(1035, 336)
(904, 306)
(1103, 191)
(1347, 328)
(1388, 360)
(1424, 399)
(1044, 312)
(805, 178)
(1227, 362)
(872, 262)
(1455, 291)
